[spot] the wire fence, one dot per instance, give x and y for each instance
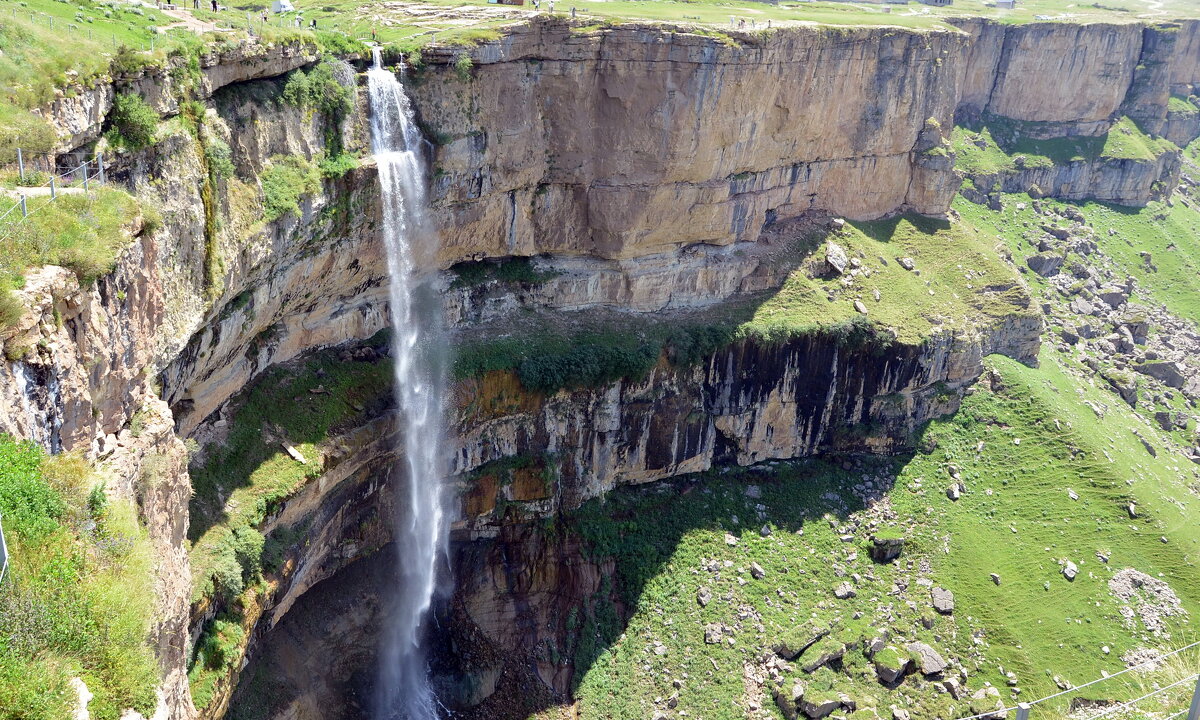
(49, 186)
(1022, 710)
(73, 29)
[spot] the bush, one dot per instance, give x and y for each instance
(319, 89)
(286, 179)
(335, 166)
(586, 365)
(462, 67)
(128, 61)
(30, 507)
(219, 158)
(133, 122)
(10, 308)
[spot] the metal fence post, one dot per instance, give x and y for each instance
(85, 177)
(20, 165)
(1194, 712)
(24, 209)
(52, 193)
(1023, 711)
(100, 167)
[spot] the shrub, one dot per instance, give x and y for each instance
(10, 308)
(335, 166)
(219, 158)
(133, 122)
(128, 61)
(30, 507)
(462, 67)
(587, 364)
(285, 180)
(319, 89)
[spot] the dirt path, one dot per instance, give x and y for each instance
(189, 21)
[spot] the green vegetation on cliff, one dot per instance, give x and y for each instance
(82, 232)
(77, 558)
(1001, 145)
(249, 475)
(957, 282)
(1040, 490)
(246, 477)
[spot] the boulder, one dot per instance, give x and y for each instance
(821, 705)
(886, 549)
(1070, 570)
(836, 258)
(1167, 373)
(1115, 297)
(891, 665)
(907, 263)
(844, 591)
(823, 654)
(986, 703)
(1046, 264)
(713, 633)
(788, 700)
(798, 639)
(927, 660)
(943, 600)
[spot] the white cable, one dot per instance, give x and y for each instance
(1114, 708)
(1156, 660)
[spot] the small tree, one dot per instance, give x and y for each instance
(134, 123)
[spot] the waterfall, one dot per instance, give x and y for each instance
(418, 349)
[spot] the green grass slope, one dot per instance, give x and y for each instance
(76, 560)
(1024, 443)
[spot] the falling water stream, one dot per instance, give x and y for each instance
(418, 349)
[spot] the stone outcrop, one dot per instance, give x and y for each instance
(77, 114)
(1075, 79)
(762, 127)
(746, 404)
(1122, 181)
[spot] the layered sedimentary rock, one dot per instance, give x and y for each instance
(1074, 79)
(638, 140)
(78, 115)
(1122, 181)
(746, 404)
(643, 163)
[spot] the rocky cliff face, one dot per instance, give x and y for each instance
(747, 404)
(636, 140)
(78, 114)
(1123, 181)
(642, 164)
(1075, 79)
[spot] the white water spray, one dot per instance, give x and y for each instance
(418, 349)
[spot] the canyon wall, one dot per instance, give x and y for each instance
(644, 163)
(1075, 79)
(636, 140)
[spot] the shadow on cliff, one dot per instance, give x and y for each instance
(274, 446)
(572, 583)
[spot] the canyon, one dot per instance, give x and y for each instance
(644, 181)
